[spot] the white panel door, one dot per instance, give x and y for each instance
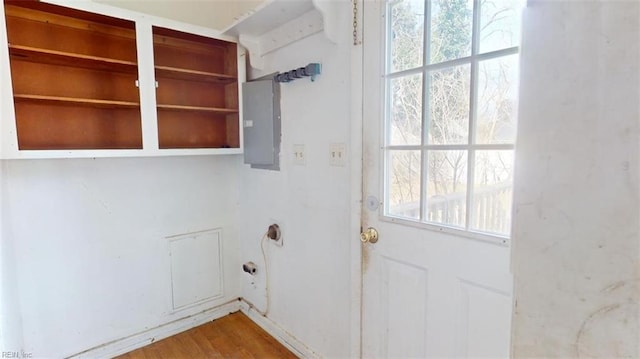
(429, 291)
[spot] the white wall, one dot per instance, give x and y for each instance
(576, 240)
(10, 324)
(91, 258)
(310, 274)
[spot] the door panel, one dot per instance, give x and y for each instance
(427, 293)
(478, 306)
(406, 301)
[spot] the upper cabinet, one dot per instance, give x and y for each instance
(74, 79)
(197, 90)
(94, 84)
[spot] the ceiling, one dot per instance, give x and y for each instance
(215, 14)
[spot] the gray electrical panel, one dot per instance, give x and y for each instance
(261, 123)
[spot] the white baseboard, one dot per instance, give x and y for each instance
(285, 338)
(138, 340)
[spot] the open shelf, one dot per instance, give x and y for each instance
(73, 78)
(193, 75)
(60, 125)
(197, 92)
(75, 101)
(195, 129)
(53, 57)
(221, 111)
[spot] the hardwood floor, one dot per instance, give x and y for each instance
(233, 336)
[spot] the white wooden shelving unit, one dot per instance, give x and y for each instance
(144, 73)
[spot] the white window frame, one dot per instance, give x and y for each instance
(473, 59)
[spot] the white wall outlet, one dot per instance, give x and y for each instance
(337, 154)
(299, 156)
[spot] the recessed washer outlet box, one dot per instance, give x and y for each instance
(275, 234)
(250, 268)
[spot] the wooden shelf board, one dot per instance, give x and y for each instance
(75, 101)
(193, 75)
(73, 18)
(27, 53)
(196, 108)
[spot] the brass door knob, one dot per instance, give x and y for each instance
(369, 236)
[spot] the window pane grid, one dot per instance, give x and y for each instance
(404, 186)
(450, 191)
(452, 63)
(423, 189)
(427, 35)
(473, 100)
(464, 146)
(404, 111)
(470, 189)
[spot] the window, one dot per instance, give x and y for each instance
(450, 117)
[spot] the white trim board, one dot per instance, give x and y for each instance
(278, 333)
(141, 339)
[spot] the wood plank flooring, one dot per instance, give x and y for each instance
(233, 336)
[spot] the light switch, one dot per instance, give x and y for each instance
(299, 156)
(338, 154)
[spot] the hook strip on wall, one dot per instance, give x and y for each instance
(311, 70)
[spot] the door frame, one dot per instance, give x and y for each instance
(356, 182)
(358, 212)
